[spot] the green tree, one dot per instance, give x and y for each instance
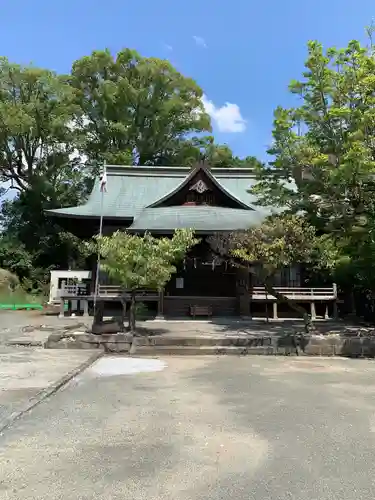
(137, 262)
(221, 155)
(8, 281)
(135, 108)
(324, 154)
(15, 258)
(39, 160)
(197, 149)
(281, 241)
(323, 149)
(37, 133)
(32, 243)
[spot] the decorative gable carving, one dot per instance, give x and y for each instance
(200, 187)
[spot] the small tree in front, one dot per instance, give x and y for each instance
(281, 241)
(139, 262)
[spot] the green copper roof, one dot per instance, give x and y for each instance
(199, 218)
(131, 189)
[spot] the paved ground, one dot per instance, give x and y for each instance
(24, 372)
(32, 326)
(35, 327)
(201, 428)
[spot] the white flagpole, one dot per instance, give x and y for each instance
(103, 182)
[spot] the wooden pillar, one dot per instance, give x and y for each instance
(94, 265)
(313, 311)
(242, 292)
(160, 314)
(326, 314)
(274, 306)
(99, 312)
(123, 314)
(85, 304)
(335, 311)
(62, 308)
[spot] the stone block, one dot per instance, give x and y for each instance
(106, 327)
(352, 347)
(317, 339)
(55, 337)
(117, 347)
(327, 349)
(118, 338)
(281, 351)
(334, 339)
(368, 347)
(313, 349)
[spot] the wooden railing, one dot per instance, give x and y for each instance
(81, 290)
(115, 290)
(297, 293)
(257, 292)
(78, 290)
(110, 290)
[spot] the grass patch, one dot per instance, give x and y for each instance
(20, 297)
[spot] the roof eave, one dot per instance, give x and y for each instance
(68, 215)
(171, 231)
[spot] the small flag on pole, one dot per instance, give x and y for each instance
(103, 180)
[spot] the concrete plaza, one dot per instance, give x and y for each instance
(199, 428)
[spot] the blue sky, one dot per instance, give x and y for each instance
(241, 52)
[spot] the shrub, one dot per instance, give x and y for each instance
(8, 281)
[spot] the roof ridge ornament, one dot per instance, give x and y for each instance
(200, 187)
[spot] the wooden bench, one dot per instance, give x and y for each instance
(200, 311)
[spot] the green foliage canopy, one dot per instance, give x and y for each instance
(279, 242)
(323, 149)
(143, 261)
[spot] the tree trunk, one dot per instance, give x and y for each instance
(123, 314)
(267, 315)
(132, 313)
(291, 303)
(300, 340)
(279, 296)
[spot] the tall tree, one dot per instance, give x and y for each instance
(37, 137)
(39, 160)
(324, 149)
(135, 109)
(204, 148)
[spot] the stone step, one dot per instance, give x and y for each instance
(205, 340)
(205, 350)
(317, 345)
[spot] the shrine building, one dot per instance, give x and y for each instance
(160, 200)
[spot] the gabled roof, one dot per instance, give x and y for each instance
(199, 218)
(131, 189)
(208, 174)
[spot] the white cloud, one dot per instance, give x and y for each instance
(168, 47)
(227, 118)
(200, 41)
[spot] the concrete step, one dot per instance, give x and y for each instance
(204, 341)
(170, 350)
(318, 345)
